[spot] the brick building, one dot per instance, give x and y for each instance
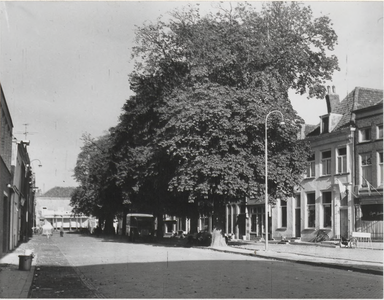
(368, 183)
(5, 171)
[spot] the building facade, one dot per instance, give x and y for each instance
(368, 183)
(5, 171)
(58, 212)
(16, 184)
(341, 191)
(21, 208)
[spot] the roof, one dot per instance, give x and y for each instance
(357, 99)
(59, 192)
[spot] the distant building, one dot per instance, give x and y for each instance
(54, 207)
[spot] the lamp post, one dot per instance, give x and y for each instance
(266, 171)
(40, 165)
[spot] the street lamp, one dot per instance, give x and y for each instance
(40, 165)
(266, 172)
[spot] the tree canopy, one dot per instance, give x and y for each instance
(192, 136)
(97, 193)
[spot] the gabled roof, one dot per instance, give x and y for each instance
(357, 99)
(59, 192)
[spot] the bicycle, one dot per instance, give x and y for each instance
(321, 236)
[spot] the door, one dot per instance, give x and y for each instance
(344, 222)
(297, 205)
(297, 222)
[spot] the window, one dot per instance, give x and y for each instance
(365, 134)
(342, 160)
(311, 166)
(311, 210)
(283, 213)
(327, 209)
(366, 169)
(326, 162)
(3, 135)
(298, 201)
(325, 125)
(380, 132)
(380, 168)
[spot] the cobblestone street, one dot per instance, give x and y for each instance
(54, 277)
(77, 266)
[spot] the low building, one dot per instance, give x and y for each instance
(54, 207)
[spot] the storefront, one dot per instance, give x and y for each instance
(369, 216)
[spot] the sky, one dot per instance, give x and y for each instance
(64, 69)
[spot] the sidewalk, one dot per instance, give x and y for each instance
(352, 259)
(15, 283)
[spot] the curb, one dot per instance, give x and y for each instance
(318, 264)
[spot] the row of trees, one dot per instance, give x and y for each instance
(192, 137)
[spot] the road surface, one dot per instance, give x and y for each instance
(114, 268)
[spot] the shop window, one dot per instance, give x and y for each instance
(311, 210)
(372, 212)
(311, 166)
(380, 132)
(342, 160)
(283, 213)
(366, 170)
(365, 135)
(327, 209)
(326, 162)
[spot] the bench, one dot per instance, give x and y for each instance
(361, 240)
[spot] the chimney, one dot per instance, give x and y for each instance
(332, 99)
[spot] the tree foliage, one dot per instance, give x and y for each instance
(194, 130)
(97, 193)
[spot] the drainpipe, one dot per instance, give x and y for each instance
(352, 180)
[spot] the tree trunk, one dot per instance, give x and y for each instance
(109, 229)
(160, 225)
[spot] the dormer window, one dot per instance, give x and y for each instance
(325, 124)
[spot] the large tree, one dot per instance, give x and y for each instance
(97, 193)
(203, 86)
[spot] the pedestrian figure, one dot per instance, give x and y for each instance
(97, 231)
